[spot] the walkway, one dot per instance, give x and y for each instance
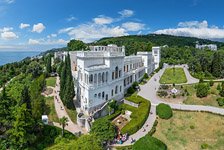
(61, 112)
(149, 92)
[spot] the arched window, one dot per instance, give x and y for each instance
(119, 73)
(106, 97)
(116, 72)
(112, 92)
(99, 95)
(95, 95)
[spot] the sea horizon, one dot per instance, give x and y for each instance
(11, 56)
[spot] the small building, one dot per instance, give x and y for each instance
(212, 47)
(45, 119)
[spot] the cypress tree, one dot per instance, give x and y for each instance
(216, 66)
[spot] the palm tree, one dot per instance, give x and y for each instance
(63, 122)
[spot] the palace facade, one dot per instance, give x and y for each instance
(104, 73)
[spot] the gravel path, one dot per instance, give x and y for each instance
(61, 112)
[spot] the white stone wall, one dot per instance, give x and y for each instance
(104, 73)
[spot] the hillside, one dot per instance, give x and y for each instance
(134, 43)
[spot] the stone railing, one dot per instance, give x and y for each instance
(131, 103)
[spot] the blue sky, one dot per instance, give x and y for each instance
(44, 24)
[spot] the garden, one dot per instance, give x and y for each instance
(179, 131)
(173, 75)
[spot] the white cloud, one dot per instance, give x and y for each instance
(195, 29)
(7, 1)
(33, 42)
(38, 27)
(126, 13)
(8, 34)
(47, 42)
(193, 24)
(103, 20)
(52, 36)
(6, 29)
(24, 25)
(71, 18)
(91, 32)
(133, 26)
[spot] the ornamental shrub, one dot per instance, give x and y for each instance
(164, 111)
(202, 90)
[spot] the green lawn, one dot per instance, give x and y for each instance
(191, 130)
(72, 114)
(210, 100)
(51, 81)
(50, 109)
(171, 76)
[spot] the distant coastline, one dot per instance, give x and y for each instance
(14, 56)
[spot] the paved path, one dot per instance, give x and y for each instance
(149, 92)
(61, 112)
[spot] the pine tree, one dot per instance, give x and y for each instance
(48, 64)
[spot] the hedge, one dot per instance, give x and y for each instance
(149, 143)
(164, 111)
(139, 115)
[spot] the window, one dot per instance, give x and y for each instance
(112, 92)
(103, 77)
(103, 95)
(106, 97)
(119, 73)
(99, 78)
(99, 95)
(116, 72)
(124, 68)
(112, 75)
(116, 89)
(95, 95)
(120, 88)
(106, 76)
(91, 79)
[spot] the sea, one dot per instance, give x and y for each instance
(14, 56)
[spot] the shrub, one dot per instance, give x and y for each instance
(221, 93)
(211, 82)
(173, 84)
(202, 90)
(162, 93)
(139, 115)
(134, 85)
(146, 76)
(149, 143)
(220, 101)
(174, 96)
(131, 90)
(219, 87)
(153, 130)
(192, 127)
(164, 111)
(164, 87)
(204, 146)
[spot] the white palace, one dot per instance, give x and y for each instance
(105, 73)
